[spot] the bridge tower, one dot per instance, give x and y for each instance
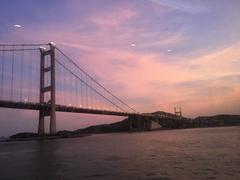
(178, 112)
(49, 88)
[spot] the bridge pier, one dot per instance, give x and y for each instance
(138, 122)
(130, 122)
(51, 110)
(41, 130)
(149, 124)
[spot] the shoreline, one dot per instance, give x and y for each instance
(66, 136)
(47, 137)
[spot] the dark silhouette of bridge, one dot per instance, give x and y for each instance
(42, 77)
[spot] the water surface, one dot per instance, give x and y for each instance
(207, 153)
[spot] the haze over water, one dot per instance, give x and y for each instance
(207, 153)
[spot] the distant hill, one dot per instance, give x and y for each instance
(2, 138)
(204, 121)
(120, 126)
(217, 120)
(123, 126)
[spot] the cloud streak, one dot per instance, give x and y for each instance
(180, 5)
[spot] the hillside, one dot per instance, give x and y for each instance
(123, 126)
(204, 121)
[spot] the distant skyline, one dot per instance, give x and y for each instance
(154, 54)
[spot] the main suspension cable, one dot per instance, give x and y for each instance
(93, 79)
(87, 84)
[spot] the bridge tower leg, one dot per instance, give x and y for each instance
(149, 124)
(130, 119)
(51, 110)
(139, 122)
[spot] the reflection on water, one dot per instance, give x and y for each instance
(210, 153)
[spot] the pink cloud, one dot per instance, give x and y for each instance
(114, 18)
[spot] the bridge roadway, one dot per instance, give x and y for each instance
(136, 121)
(60, 108)
(73, 109)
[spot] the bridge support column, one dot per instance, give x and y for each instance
(139, 122)
(144, 123)
(130, 119)
(51, 110)
(41, 130)
(149, 124)
(53, 129)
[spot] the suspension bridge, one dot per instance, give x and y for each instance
(42, 77)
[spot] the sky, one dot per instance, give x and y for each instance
(153, 54)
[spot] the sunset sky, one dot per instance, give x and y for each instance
(154, 54)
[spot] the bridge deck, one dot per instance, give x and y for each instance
(63, 108)
(60, 108)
